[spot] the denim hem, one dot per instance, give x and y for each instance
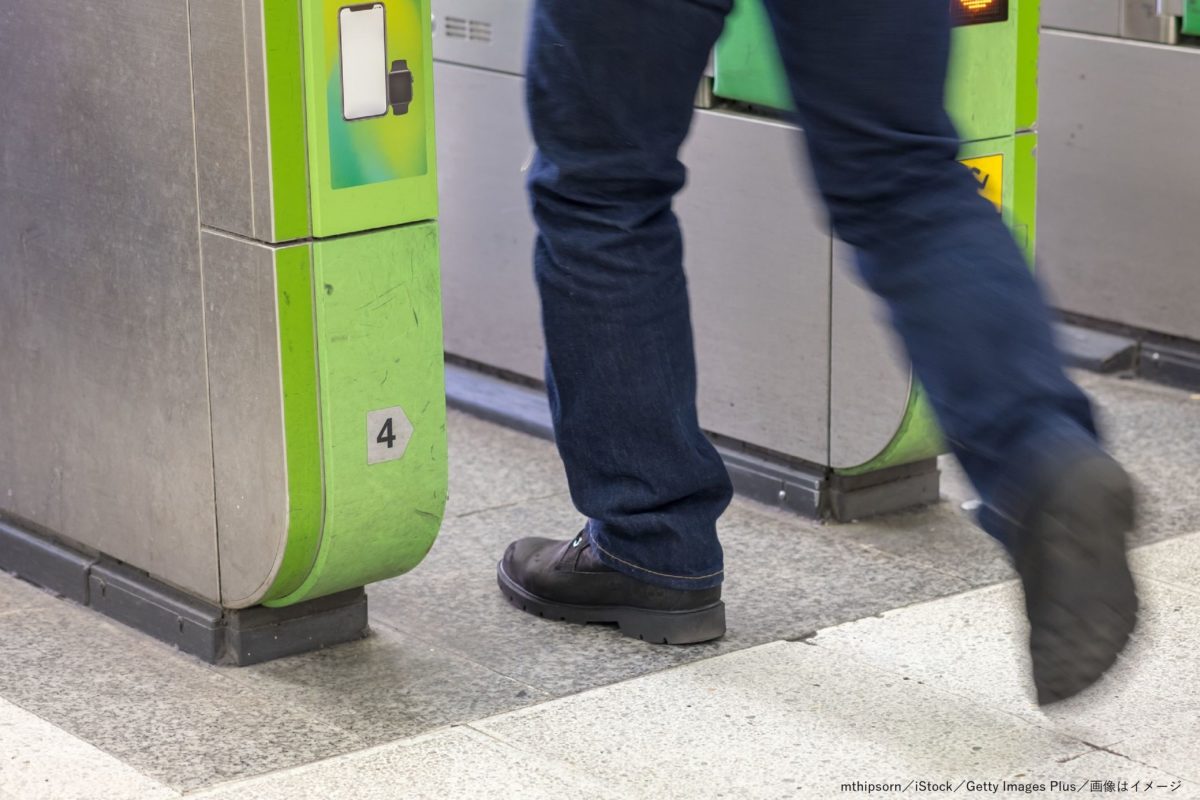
(666, 580)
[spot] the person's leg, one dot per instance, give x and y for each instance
(611, 87)
(868, 78)
(610, 91)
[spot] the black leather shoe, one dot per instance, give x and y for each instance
(1079, 593)
(566, 581)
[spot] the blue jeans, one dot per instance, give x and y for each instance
(610, 91)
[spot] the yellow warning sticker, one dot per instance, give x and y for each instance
(989, 174)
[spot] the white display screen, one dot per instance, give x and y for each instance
(364, 61)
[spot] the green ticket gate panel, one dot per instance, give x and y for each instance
(1190, 25)
(991, 94)
(221, 336)
(347, 332)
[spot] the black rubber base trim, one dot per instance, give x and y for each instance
(236, 637)
(1108, 347)
(854, 497)
(655, 627)
(1098, 351)
(810, 490)
(1172, 365)
(44, 562)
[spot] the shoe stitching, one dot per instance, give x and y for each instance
(652, 572)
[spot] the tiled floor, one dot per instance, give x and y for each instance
(40, 761)
(917, 671)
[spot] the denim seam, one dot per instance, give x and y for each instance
(652, 572)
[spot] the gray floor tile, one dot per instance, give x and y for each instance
(786, 578)
(460, 763)
(492, 466)
(942, 536)
(452, 602)
(387, 687)
(17, 595)
(1083, 772)
(1176, 561)
(163, 713)
(781, 720)
(974, 645)
(1155, 432)
(40, 761)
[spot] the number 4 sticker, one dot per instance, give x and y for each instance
(388, 432)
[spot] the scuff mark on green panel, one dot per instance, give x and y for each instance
(379, 345)
(982, 84)
(285, 109)
(748, 66)
(298, 366)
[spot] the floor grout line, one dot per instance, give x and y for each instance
(1188, 590)
(513, 504)
(829, 532)
(561, 765)
(439, 646)
(974, 701)
(244, 779)
(89, 744)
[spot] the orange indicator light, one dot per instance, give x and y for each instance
(975, 12)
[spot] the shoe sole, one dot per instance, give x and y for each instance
(1080, 595)
(657, 627)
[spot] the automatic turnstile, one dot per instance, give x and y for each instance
(221, 374)
(1119, 176)
(800, 379)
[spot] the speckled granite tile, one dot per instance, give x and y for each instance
(788, 577)
(16, 595)
(386, 687)
(492, 466)
(40, 761)
(165, 714)
(1103, 767)
(974, 645)
(1175, 561)
(461, 763)
(1155, 432)
(452, 602)
(941, 536)
(780, 720)
(785, 578)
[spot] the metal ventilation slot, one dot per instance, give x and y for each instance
(473, 30)
(479, 31)
(456, 28)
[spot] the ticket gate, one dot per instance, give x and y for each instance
(221, 367)
(1119, 199)
(801, 383)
